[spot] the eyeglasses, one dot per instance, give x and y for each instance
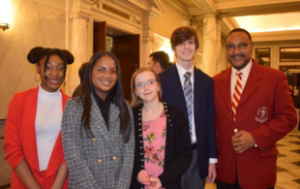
(103, 70)
(149, 83)
(240, 46)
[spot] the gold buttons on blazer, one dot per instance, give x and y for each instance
(114, 158)
(121, 135)
(99, 161)
(94, 139)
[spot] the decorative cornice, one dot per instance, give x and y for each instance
(226, 26)
(276, 36)
(156, 6)
(115, 11)
(81, 9)
(238, 8)
(207, 14)
(230, 22)
(229, 4)
(205, 4)
(186, 16)
(178, 5)
(142, 4)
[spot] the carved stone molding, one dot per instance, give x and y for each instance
(209, 14)
(80, 15)
(81, 9)
(148, 26)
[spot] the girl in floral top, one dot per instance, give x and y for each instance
(162, 147)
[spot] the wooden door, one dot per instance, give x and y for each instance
(99, 36)
(127, 49)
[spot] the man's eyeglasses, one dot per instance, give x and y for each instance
(240, 46)
(149, 83)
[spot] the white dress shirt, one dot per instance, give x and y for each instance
(245, 74)
(181, 72)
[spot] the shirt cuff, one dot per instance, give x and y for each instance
(213, 160)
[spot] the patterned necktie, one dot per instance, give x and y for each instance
(237, 93)
(188, 94)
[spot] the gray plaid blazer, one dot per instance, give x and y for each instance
(102, 162)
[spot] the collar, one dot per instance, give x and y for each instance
(48, 96)
(182, 71)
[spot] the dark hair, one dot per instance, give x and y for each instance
(241, 30)
(81, 71)
(183, 34)
(162, 58)
(115, 96)
(37, 53)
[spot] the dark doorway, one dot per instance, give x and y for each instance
(125, 47)
(99, 36)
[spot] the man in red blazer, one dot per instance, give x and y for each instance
(253, 110)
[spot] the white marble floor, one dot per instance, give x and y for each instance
(288, 163)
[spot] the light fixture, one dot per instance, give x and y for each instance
(4, 14)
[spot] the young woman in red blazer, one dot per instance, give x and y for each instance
(32, 144)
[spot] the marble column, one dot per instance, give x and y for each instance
(79, 43)
(147, 37)
(211, 44)
(220, 66)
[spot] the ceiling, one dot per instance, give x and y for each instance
(266, 20)
(270, 22)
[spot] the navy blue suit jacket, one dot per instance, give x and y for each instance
(203, 111)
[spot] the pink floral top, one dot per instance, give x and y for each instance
(154, 137)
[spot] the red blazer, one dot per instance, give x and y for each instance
(266, 111)
(20, 140)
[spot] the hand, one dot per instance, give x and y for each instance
(143, 178)
(242, 141)
(154, 183)
(212, 173)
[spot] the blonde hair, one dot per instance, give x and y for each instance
(136, 101)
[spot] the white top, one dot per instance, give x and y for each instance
(47, 124)
(245, 74)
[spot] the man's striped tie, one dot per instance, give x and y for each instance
(237, 93)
